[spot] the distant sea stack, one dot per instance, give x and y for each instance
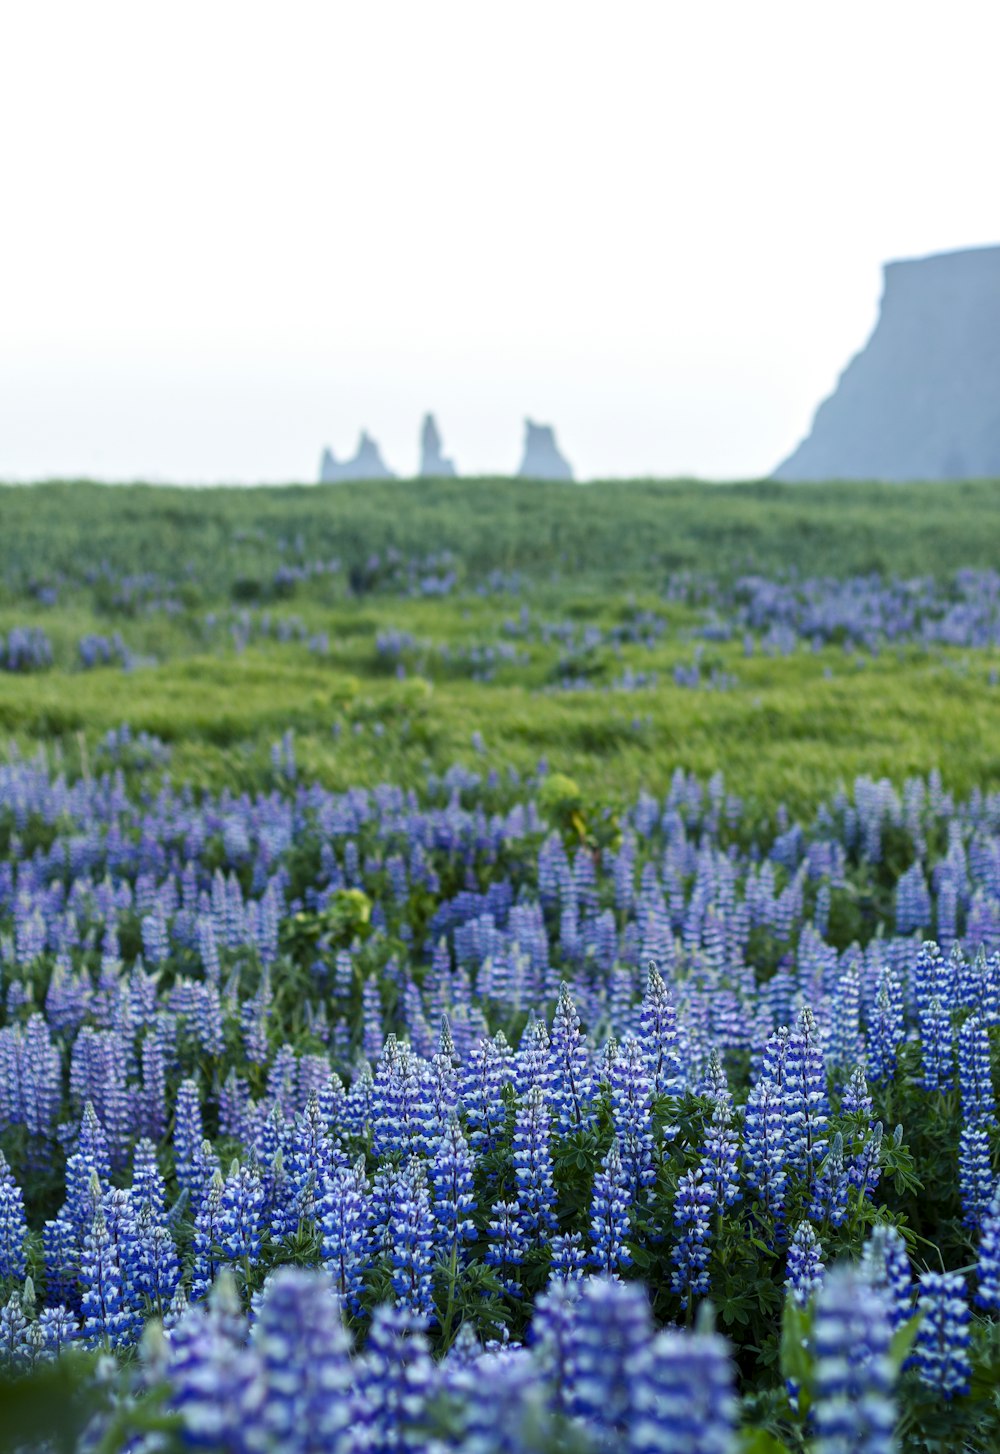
(433, 464)
(367, 464)
(921, 401)
(542, 459)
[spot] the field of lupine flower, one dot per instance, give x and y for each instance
(499, 968)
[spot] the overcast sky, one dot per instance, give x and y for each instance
(233, 233)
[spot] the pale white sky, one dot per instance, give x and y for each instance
(231, 233)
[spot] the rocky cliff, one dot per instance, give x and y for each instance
(367, 464)
(922, 398)
(542, 459)
(432, 462)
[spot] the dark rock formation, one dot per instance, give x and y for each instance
(542, 460)
(367, 464)
(432, 461)
(922, 399)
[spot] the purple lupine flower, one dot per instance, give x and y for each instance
(804, 1269)
(685, 1396)
(401, 1109)
(976, 1182)
(830, 1187)
(941, 1353)
(856, 1100)
(451, 1177)
(216, 1384)
(207, 1237)
(156, 1270)
(886, 1268)
(692, 1213)
(854, 1411)
(481, 1091)
(569, 1260)
(885, 1029)
(571, 1089)
(807, 1107)
(395, 1381)
(14, 1347)
(974, 1076)
(552, 1336)
(610, 1224)
(720, 1153)
(13, 1226)
(304, 1351)
(988, 1258)
(411, 1242)
(188, 1135)
(937, 1047)
(658, 1036)
(105, 1319)
(612, 1329)
(508, 1245)
(764, 1148)
(343, 1219)
(241, 1215)
(58, 1328)
(533, 1166)
(631, 1112)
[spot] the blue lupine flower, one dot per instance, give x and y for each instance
(804, 1270)
(395, 1381)
(533, 1166)
(13, 1227)
(411, 1242)
(304, 1351)
(976, 1182)
(886, 1268)
(58, 1328)
(631, 1111)
(830, 1187)
(508, 1245)
(451, 1177)
(658, 1036)
(684, 1396)
(568, 1257)
(188, 1136)
(854, 1412)
(105, 1319)
(610, 1224)
(343, 1218)
(942, 1348)
(856, 1100)
(14, 1348)
(241, 1215)
(553, 1338)
(988, 1258)
(401, 1110)
(806, 1104)
(974, 1076)
(156, 1268)
(764, 1147)
(692, 1212)
(937, 1047)
(207, 1238)
(720, 1153)
(216, 1384)
(488, 1070)
(612, 1329)
(571, 1089)
(885, 1029)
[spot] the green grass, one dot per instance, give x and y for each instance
(627, 532)
(791, 729)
